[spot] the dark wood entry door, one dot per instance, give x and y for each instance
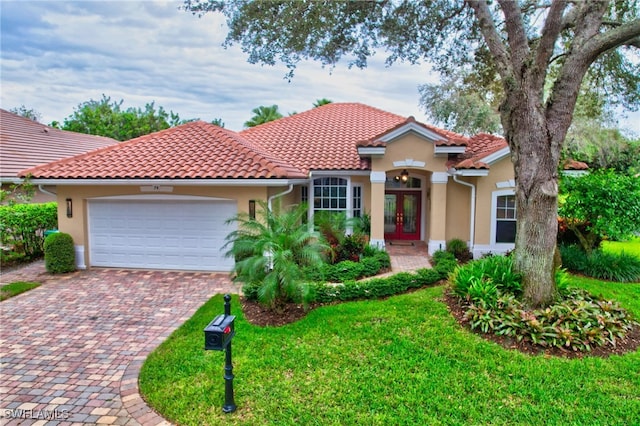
(402, 212)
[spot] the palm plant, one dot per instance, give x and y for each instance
(263, 114)
(271, 250)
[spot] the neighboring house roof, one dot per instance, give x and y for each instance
(26, 143)
(195, 150)
(326, 137)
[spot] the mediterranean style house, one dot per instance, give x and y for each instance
(162, 201)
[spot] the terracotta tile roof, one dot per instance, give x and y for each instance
(482, 145)
(575, 165)
(325, 138)
(479, 146)
(193, 150)
(26, 143)
(470, 164)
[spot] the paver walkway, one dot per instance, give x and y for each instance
(407, 256)
(71, 349)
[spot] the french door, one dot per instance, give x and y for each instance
(402, 212)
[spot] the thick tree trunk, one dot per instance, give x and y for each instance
(535, 246)
(536, 169)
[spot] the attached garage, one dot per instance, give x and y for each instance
(184, 233)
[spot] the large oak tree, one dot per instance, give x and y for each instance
(521, 40)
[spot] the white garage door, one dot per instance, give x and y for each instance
(160, 234)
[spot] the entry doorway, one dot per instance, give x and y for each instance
(402, 213)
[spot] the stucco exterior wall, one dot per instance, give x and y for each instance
(409, 147)
(501, 171)
(458, 211)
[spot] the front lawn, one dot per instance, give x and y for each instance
(14, 289)
(630, 247)
(403, 360)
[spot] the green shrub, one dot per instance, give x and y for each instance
(619, 267)
(370, 266)
(351, 247)
(440, 255)
(496, 270)
(579, 322)
(22, 227)
(59, 253)
(484, 290)
(373, 288)
(573, 257)
(427, 276)
(344, 271)
(459, 249)
(445, 267)
(383, 259)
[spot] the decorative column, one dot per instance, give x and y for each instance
(438, 216)
(378, 180)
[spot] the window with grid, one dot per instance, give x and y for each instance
(356, 205)
(506, 219)
(330, 193)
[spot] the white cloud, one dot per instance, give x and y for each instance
(56, 55)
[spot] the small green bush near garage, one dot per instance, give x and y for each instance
(403, 360)
(59, 253)
(13, 289)
(22, 228)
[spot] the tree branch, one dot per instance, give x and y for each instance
(627, 33)
(550, 32)
(492, 38)
(516, 35)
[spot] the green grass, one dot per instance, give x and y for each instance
(13, 289)
(630, 247)
(403, 360)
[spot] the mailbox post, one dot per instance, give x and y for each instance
(217, 337)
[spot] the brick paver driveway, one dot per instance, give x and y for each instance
(71, 349)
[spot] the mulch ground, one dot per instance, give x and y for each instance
(258, 315)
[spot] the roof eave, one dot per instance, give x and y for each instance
(174, 182)
(446, 150)
(471, 172)
(371, 151)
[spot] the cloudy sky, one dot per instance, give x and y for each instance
(58, 54)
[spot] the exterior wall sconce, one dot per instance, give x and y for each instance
(252, 209)
(69, 207)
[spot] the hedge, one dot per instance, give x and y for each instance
(22, 226)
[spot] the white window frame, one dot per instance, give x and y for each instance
(360, 197)
(499, 247)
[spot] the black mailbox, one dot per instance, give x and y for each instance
(219, 332)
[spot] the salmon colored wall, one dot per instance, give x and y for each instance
(501, 171)
(458, 211)
(410, 146)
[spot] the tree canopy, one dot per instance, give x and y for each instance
(107, 118)
(522, 42)
(263, 114)
(320, 102)
(601, 204)
(25, 112)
